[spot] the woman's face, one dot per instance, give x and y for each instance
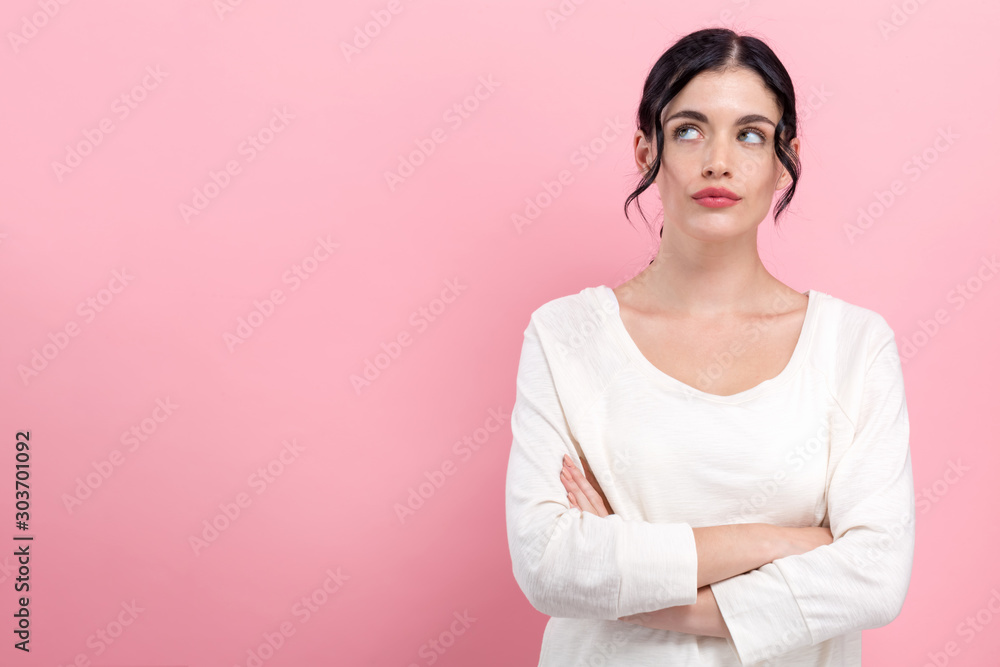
(718, 133)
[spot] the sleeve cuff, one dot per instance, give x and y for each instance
(761, 613)
(659, 563)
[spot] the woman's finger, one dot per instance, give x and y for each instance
(571, 487)
(593, 497)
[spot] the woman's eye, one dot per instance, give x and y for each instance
(681, 130)
(760, 138)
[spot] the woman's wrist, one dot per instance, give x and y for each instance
(711, 621)
(774, 542)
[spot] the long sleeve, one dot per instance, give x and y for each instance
(570, 563)
(860, 580)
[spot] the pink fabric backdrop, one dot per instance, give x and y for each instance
(265, 283)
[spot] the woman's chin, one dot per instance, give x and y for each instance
(717, 229)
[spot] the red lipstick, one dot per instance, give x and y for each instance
(715, 197)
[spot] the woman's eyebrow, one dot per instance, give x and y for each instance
(697, 115)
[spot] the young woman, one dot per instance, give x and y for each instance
(709, 467)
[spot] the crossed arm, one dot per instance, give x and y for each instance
(585, 564)
(723, 551)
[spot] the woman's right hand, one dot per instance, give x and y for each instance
(795, 541)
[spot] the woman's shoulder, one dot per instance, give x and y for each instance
(847, 338)
(851, 318)
(570, 310)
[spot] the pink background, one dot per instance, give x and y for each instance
(870, 103)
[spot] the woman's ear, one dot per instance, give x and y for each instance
(643, 153)
(785, 178)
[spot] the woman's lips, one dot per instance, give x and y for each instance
(716, 202)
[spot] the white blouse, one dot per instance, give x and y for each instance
(824, 443)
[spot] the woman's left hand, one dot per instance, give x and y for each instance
(701, 618)
(580, 490)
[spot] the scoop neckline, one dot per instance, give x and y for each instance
(645, 365)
